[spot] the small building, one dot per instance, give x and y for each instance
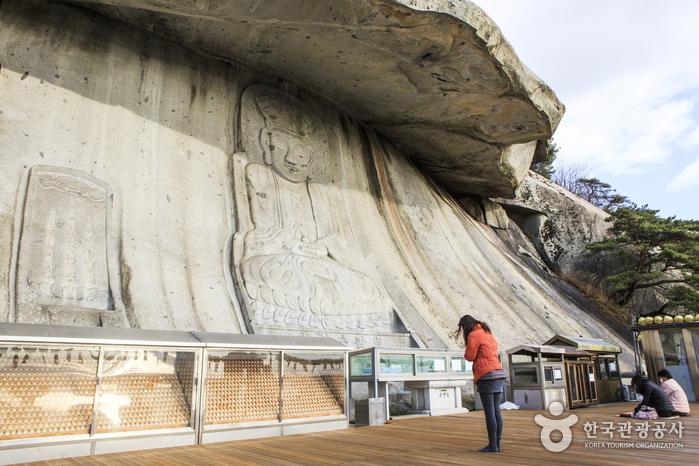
(593, 380)
(673, 344)
(536, 375)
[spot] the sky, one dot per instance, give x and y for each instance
(628, 74)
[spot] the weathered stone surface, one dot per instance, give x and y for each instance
(245, 203)
(436, 77)
(474, 207)
(296, 255)
(557, 221)
(462, 266)
(64, 256)
(134, 115)
(495, 216)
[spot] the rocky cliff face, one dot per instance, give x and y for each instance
(559, 223)
(435, 77)
(147, 185)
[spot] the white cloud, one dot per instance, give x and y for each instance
(617, 135)
(693, 137)
(688, 178)
(627, 72)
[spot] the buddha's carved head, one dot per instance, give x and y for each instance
(289, 154)
(286, 134)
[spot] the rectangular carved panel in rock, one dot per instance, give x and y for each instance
(63, 245)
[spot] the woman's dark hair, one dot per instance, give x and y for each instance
(637, 380)
(467, 323)
(664, 373)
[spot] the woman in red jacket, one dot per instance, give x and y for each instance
(488, 375)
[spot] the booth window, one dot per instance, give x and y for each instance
(593, 383)
(553, 375)
(525, 375)
(396, 364)
(314, 385)
(523, 358)
(602, 368)
(548, 374)
(673, 347)
(551, 358)
(144, 389)
(558, 374)
(242, 387)
(613, 369)
(572, 382)
(46, 391)
(607, 368)
(676, 358)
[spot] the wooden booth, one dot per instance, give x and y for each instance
(536, 375)
(591, 379)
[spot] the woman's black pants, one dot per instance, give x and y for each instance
(493, 419)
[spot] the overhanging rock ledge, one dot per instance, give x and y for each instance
(435, 77)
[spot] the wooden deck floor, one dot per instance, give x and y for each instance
(448, 440)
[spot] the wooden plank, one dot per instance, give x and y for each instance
(447, 440)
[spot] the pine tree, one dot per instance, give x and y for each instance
(601, 194)
(658, 253)
(543, 165)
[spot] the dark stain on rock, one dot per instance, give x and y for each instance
(193, 94)
(125, 272)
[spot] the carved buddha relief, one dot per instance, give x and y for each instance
(298, 264)
(63, 256)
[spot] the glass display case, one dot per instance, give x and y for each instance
(362, 364)
(396, 363)
(46, 391)
(314, 385)
(95, 385)
(264, 385)
(429, 381)
(242, 387)
(460, 365)
(432, 364)
(415, 363)
(143, 389)
(105, 390)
